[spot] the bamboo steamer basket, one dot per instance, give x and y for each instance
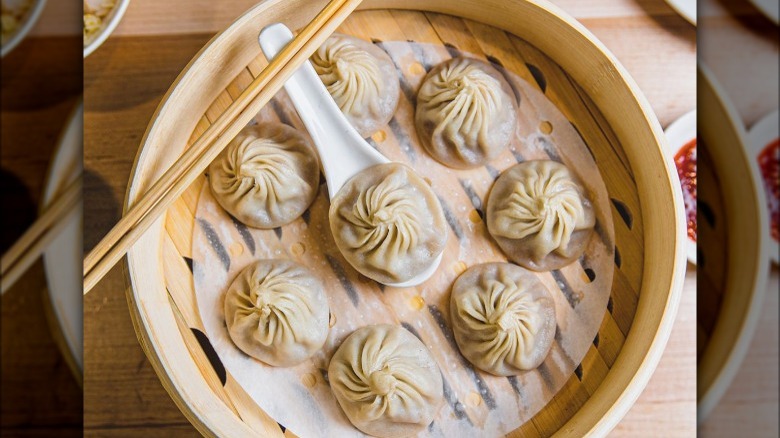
(745, 246)
(543, 44)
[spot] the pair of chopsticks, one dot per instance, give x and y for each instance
(194, 160)
(37, 238)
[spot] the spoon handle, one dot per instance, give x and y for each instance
(342, 151)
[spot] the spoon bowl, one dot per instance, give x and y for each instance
(342, 151)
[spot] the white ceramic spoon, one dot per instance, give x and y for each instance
(343, 152)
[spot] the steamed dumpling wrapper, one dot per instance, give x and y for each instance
(388, 223)
(362, 80)
(386, 381)
(267, 176)
(276, 311)
(503, 318)
(465, 113)
(539, 215)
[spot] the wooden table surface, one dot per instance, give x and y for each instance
(41, 83)
(126, 79)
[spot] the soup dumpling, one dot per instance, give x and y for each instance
(386, 381)
(267, 176)
(539, 215)
(503, 318)
(466, 113)
(388, 223)
(276, 311)
(362, 80)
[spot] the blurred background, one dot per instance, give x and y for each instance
(738, 50)
(42, 76)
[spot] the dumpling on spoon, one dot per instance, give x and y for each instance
(503, 318)
(539, 215)
(362, 80)
(267, 176)
(466, 113)
(388, 223)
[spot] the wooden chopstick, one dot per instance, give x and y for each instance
(37, 238)
(194, 160)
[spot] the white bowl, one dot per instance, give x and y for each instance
(111, 22)
(28, 23)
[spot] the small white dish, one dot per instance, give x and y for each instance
(678, 134)
(109, 25)
(62, 259)
(28, 22)
(686, 8)
(761, 136)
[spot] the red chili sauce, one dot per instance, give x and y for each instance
(685, 159)
(769, 162)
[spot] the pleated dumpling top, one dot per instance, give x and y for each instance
(267, 176)
(362, 80)
(276, 311)
(503, 318)
(540, 216)
(386, 381)
(466, 113)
